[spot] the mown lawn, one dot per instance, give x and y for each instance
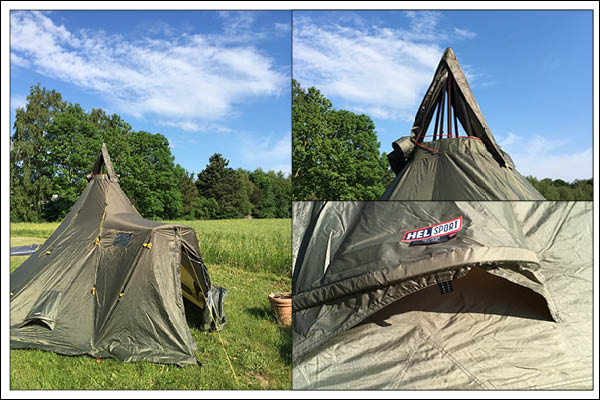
(251, 258)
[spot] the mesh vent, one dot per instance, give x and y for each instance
(122, 239)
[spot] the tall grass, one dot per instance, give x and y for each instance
(250, 244)
(33, 229)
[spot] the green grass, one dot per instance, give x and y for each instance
(32, 229)
(250, 244)
(259, 349)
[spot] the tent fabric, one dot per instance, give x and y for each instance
(474, 163)
(463, 170)
(110, 283)
(372, 311)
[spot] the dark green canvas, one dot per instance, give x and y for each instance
(442, 295)
(110, 283)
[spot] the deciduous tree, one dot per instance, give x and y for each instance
(335, 153)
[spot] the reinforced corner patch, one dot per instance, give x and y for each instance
(434, 234)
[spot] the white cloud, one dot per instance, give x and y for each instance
(547, 158)
(353, 18)
(236, 21)
(423, 21)
(191, 126)
(464, 33)
(18, 61)
(271, 154)
(380, 71)
(282, 27)
(18, 101)
(509, 140)
(187, 79)
(566, 166)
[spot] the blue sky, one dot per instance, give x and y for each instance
(211, 82)
(530, 71)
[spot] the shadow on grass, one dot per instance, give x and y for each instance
(264, 312)
(195, 319)
(285, 350)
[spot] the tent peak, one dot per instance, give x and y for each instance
(103, 159)
(449, 53)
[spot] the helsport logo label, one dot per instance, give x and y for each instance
(445, 228)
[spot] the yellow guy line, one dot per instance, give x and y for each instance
(221, 340)
(206, 304)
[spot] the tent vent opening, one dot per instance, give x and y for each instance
(122, 239)
(45, 310)
(39, 322)
(478, 292)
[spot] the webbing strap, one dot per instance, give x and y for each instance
(425, 147)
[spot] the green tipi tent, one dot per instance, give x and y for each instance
(110, 283)
(447, 163)
(443, 295)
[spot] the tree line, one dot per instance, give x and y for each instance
(557, 189)
(55, 143)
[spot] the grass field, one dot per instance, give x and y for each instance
(251, 258)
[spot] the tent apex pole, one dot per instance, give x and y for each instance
(437, 119)
(454, 101)
(449, 104)
(442, 101)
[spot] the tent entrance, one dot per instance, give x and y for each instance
(193, 289)
(203, 303)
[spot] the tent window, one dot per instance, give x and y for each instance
(122, 239)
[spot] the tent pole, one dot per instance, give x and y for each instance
(448, 104)
(467, 117)
(455, 119)
(437, 119)
(443, 100)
